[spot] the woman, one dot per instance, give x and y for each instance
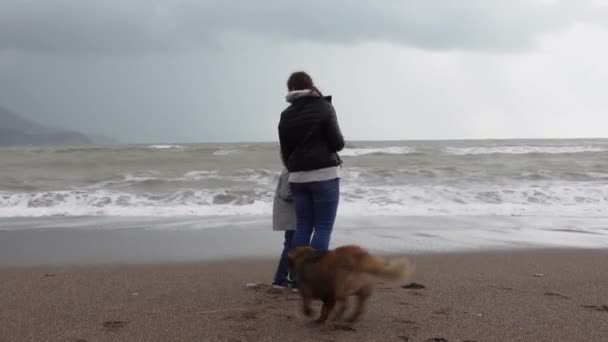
(310, 139)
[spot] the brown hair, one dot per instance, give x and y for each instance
(301, 81)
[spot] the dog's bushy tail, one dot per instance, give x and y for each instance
(394, 269)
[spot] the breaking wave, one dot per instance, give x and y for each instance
(524, 149)
(415, 200)
(355, 152)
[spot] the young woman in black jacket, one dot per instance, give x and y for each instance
(310, 138)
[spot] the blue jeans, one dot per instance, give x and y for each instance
(316, 205)
(280, 277)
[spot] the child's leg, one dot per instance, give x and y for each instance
(280, 276)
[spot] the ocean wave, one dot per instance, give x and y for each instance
(546, 199)
(201, 174)
(524, 149)
(222, 152)
(361, 151)
(166, 147)
(200, 178)
(114, 203)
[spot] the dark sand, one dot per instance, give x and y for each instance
(491, 296)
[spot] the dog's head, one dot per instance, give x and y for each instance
(297, 255)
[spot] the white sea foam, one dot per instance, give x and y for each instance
(166, 147)
(201, 174)
(113, 203)
(355, 152)
(225, 152)
(523, 149)
(548, 199)
(141, 176)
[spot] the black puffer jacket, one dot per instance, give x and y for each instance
(309, 134)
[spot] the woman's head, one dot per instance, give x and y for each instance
(300, 81)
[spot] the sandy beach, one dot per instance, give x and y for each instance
(157, 242)
(542, 295)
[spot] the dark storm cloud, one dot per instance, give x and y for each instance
(196, 70)
(138, 26)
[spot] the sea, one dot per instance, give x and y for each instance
(446, 194)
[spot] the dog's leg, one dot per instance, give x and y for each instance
(328, 305)
(362, 297)
(339, 309)
(306, 296)
(306, 309)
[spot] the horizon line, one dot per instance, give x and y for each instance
(354, 140)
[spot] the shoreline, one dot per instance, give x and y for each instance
(524, 295)
(109, 240)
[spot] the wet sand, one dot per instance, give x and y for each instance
(542, 295)
(145, 240)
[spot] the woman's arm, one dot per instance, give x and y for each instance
(283, 146)
(333, 133)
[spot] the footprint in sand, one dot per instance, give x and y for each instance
(403, 338)
(437, 339)
(553, 294)
(284, 317)
(443, 312)
(601, 308)
(113, 325)
(503, 288)
(343, 327)
(408, 304)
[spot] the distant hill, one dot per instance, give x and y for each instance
(103, 140)
(12, 121)
(16, 130)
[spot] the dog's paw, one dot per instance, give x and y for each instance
(353, 319)
(307, 311)
(320, 321)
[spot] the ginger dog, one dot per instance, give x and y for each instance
(334, 276)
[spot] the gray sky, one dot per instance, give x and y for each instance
(196, 70)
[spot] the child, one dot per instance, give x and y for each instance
(283, 219)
